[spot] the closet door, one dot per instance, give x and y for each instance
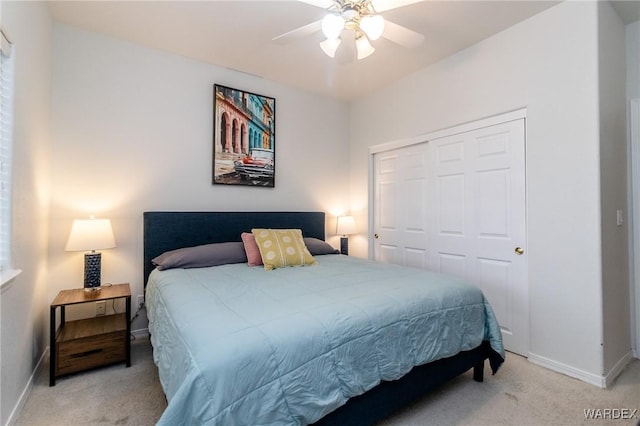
(479, 223)
(401, 190)
(473, 201)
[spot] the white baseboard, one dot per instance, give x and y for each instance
(585, 376)
(13, 417)
(140, 333)
(617, 369)
(593, 379)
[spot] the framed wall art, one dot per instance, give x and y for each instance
(244, 138)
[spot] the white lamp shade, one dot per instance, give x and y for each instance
(364, 47)
(373, 26)
(330, 46)
(332, 25)
(90, 234)
(345, 225)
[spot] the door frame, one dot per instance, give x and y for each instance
(401, 143)
(634, 228)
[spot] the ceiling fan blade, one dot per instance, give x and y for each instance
(292, 35)
(325, 4)
(402, 35)
(382, 5)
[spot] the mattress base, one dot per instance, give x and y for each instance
(388, 397)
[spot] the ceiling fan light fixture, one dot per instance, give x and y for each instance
(373, 26)
(330, 46)
(332, 26)
(363, 47)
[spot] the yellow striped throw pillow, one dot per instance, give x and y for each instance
(282, 247)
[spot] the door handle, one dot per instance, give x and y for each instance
(519, 251)
(376, 236)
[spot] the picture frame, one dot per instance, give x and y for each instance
(244, 138)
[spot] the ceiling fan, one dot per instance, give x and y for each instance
(357, 19)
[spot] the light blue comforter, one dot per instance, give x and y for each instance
(236, 345)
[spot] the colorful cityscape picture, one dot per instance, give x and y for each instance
(243, 138)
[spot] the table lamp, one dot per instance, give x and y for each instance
(345, 226)
(90, 235)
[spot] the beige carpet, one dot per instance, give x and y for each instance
(113, 395)
(520, 394)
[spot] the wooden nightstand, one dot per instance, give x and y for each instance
(91, 342)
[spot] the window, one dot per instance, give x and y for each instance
(6, 142)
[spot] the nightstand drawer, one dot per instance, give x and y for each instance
(89, 352)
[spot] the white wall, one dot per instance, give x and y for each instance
(132, 131)
(551, 71)
(23, 312)
(613, 188)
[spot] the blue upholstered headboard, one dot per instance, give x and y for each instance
(165, 231)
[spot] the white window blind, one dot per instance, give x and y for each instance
(6, 142)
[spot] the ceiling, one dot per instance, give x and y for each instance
(238, 35)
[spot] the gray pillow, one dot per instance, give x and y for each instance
(202, 256)
(316, 246)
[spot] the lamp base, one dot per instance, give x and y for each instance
(92, 265)
(344, 245)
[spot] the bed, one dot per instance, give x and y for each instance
(346, 341)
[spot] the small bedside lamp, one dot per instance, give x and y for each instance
(91, 235)
(345, 226)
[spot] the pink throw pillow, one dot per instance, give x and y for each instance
(251, 248)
